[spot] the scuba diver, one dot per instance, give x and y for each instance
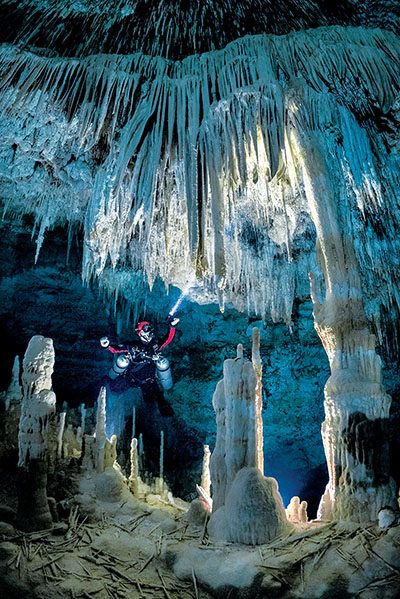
(141, 364)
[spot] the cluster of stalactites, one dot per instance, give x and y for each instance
(199, 173)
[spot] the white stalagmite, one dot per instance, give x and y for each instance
(39, 400)
(257, 365)
(12, 399)
(296, 511)
(101, 438)
(247, 507)
(205, 472)
(162, 455)
(89, 455)
(82, 409)
(235, 405)
(134, 473)
(37, 438)
(60, 433)
(14, 391)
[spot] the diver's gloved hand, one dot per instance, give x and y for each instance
(104, 342)
(172, 320)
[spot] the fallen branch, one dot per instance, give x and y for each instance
(196, 592)
(168, 596)
(51, 561)
(146, 563)
(380, 582)
(137, 521)
(372, 553)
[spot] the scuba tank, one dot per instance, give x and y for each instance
(163, 374)
(121, 363)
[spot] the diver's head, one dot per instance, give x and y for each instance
(145, 331)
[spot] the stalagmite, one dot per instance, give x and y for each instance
(254, 512)
(14, 391)
(12, 399)
(72, 442)
(162, 455)
(160, 487)
(134, 474)
(247, 507)
(83, 418)
(140, 453)
(303, 517)
(238, 440)
(101, 438)
(296, 511)
(88, 455)
(60, 433)
(257, 365)
(205, 473)
(36, 434)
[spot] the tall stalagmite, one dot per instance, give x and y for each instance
(247, 507)
(37, 434)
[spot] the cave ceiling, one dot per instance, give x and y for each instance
(160, 135)
(175, 29)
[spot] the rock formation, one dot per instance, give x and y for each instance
(296, 511)
(247, 507)
(356, 405)
(37, 435)
(12, 399)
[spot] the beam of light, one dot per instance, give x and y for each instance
(180, 299)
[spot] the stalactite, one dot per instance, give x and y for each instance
(220, 117)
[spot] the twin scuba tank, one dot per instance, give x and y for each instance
(163, 370)
(163, 373)
(120, 364)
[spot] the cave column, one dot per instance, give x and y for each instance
(354, 432)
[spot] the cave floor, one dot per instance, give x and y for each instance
(155, 553)
(102, 560)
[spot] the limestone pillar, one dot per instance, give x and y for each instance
(354, 432)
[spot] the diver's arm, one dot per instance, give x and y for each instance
(172, 321)
(114, 348)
